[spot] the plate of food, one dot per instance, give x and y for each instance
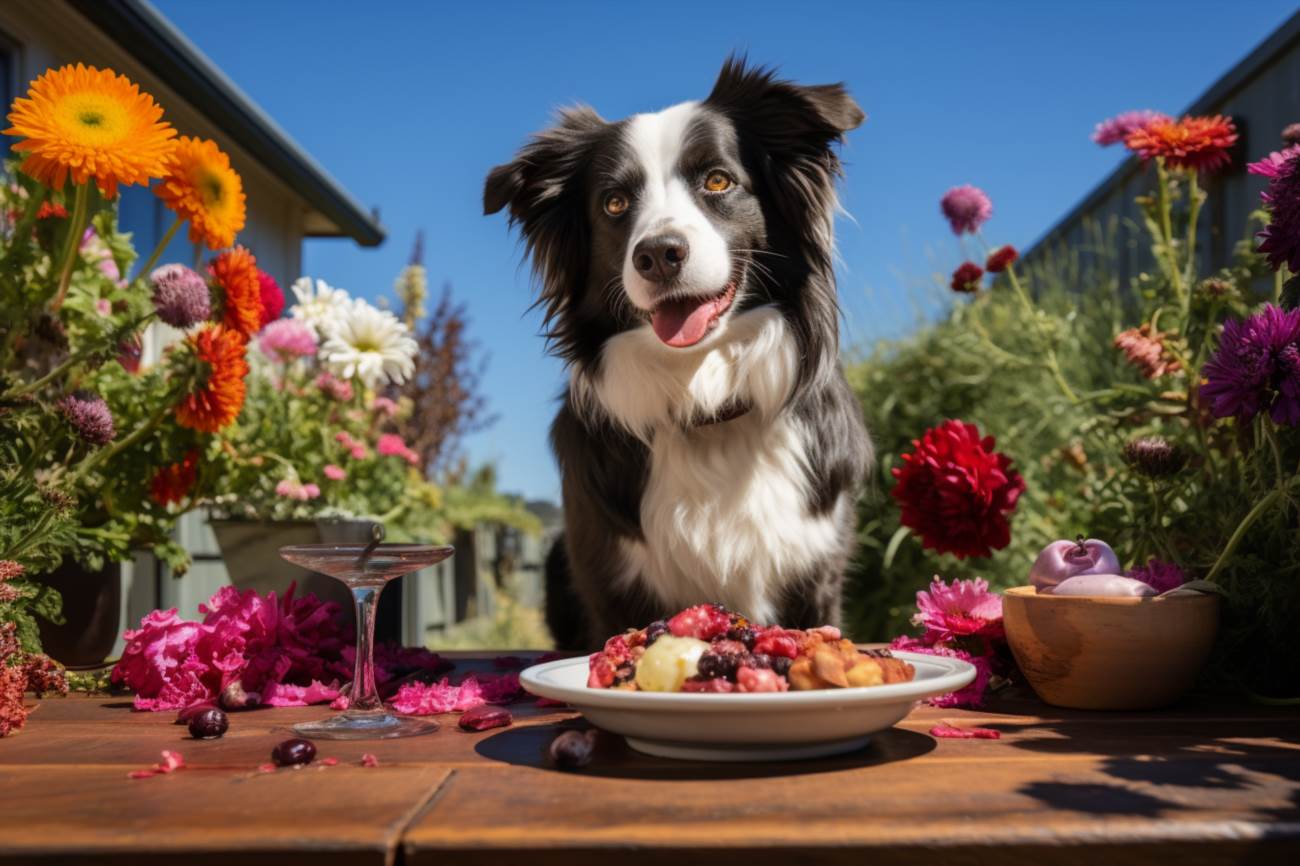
(707, 684)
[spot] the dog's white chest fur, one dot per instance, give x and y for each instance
(724, 512)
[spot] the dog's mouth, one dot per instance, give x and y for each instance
(684, 321)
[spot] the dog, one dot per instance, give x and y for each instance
(709, 446)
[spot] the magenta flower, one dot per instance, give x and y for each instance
(180, 296)
(391, 445)
(1271, 165)
(1256, 368)
(421, 699)
(1114, 130)
(964, 609)
(284, 340)
(966, 208)
(384, 406)
(334, 387)
(1159, 575)
(1280, 239)
(89, 416)
(971, 695)
(293, 489)
(334, 472)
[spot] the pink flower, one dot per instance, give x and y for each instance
(171, 761)
(284, 340)
(966, 208)
(422, 699)
(293, 489)
(104, 307)
(334, 472)
(369, 760)
(501, 689)
(1271, 165)
(391, 445)
(1115, 130)
(334, 388)
(971, 695)
(385, 406)
(359, 452)
(1159, 575)
(964, 609)
(283, 695)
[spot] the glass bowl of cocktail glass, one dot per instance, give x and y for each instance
(365, 568)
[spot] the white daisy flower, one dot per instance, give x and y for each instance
(370, 344)
(320, 305)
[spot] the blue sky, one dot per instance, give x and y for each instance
(410, 104)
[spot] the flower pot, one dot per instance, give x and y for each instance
(251, 550)
(92, 610)
(1094, 653)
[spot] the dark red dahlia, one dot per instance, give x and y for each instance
(1001, 258)
(956, 491)
(272, 297)
(967, 277)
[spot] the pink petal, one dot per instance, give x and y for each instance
(369, 760)
(953, 732)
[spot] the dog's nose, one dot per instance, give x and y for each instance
(660, 257)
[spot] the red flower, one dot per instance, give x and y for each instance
(272, 297)
(51, 210)
(956, 491)
(967, 277)
(1193, 143)
(1001, 258)
(173, 482)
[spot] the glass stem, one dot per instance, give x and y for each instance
(364, 695)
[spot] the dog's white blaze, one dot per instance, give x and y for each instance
(725, 506)
(666, 203)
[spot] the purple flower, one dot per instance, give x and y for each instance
(1280, 239)
(1115, 129)
(1271, 165)
(966, 208)
(89, 416)
(1257, 368)
(180, 295)
(1159, 575)
(286, 339)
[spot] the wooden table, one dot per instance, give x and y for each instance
(1193, 785)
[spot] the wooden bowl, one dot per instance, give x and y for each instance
(1095, 653)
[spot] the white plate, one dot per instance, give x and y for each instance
(768, 726)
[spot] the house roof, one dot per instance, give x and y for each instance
(143, 31)
(1280, 41)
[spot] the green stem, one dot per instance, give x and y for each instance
(158, 250)
(1167, 231)
(1240, 532)
(105, 454)
(49, 377)
(1194, 213)
(24, 227)
(1052, 363)
(76, 227)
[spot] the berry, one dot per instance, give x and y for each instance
(713, 666)
(184, 716)
(777, 642)
(655, 630)
(704, 621)
(762, 661)
(781, 665)
(294, 752)
(209, 724)
(483, 717)
(743, 634)
(573, 749)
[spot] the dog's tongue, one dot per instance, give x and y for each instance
(684, 322)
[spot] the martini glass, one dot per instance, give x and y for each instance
(365, 568)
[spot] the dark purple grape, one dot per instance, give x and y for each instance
(573, 749)
(781, 665)
(760, 661)
(209, 724)
(743, 634)
(713, 666)
(294, 752)
(184, 716)
(655, 630)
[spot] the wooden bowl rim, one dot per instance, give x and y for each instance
(1031, 592)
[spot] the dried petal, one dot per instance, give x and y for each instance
(953, 732)
(483, 717)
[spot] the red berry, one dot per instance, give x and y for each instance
(704, 621)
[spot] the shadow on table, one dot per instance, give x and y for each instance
(613, 758)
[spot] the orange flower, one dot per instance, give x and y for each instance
(202, 188)
(172, 483)
(1193, 143)
(1145, 349)
(88, 122)
(223, 365)
(236, 273)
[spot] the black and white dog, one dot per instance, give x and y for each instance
(709, 445)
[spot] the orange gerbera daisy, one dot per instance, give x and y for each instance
(173, 482)
(202, 188)
(236, 273)
(221, 354)
(88, 122)
(1193, 143)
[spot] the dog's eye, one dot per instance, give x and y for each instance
(615, 203)
(718, 181)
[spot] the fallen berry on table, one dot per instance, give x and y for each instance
(369, 760)
(483, 717)
(294, 752)
(573, 749)
(184, 716)
(209, 724)
(955, 733)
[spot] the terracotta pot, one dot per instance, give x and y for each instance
(92, 610)
(1095, 653)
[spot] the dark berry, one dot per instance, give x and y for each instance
(760, 661)
(781, 665)
(209, 724)
(485, 716)
(655, 630)
(744, 634)
(184, 716)
(573, 749)
(294, 752)
(624, 673)
(713, 666)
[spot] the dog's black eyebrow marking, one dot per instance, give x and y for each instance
(709, 142)
(617, 170)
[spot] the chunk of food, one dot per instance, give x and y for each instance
(709, 649)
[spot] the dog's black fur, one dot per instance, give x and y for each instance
(778, 139)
